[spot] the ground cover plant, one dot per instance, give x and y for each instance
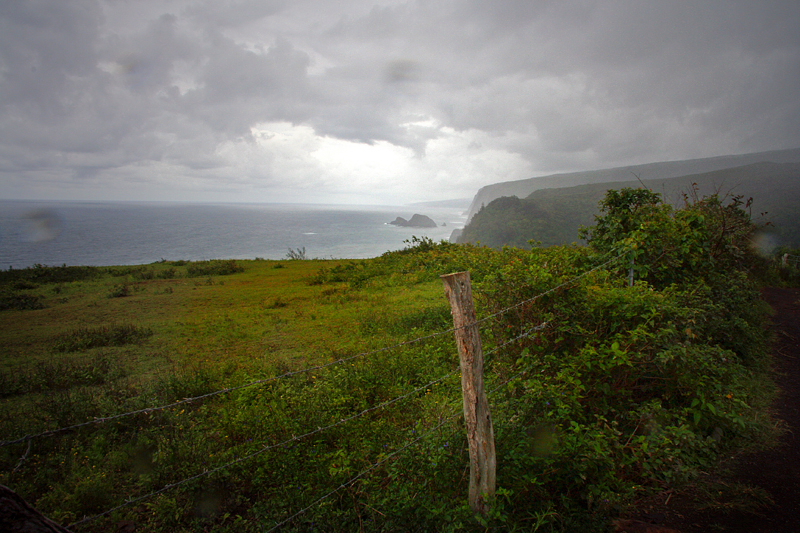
(602, 391)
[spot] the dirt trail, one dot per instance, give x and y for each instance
(776, 471)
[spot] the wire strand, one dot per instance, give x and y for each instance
(506, 382)
(362, 473)
(545, 293)
(148, 410)
(261, 451)
(522, 335)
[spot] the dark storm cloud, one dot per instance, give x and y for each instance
(42, 44)
(94, 88)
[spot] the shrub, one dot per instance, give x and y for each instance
(86, 338)
(278, 303)
(213, 268)
(120, 291)
(61, 374)
(49, 274)
(20, 302)
(143, 273)
(664, 245)
(297, 255)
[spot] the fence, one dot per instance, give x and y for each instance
(790, 260)
(475, 403)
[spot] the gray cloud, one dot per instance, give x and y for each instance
(233, 13)
(358, 96)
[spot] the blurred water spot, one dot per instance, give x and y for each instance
(764, 242)
(41, 225)
(142, 460)
(209, 502)
(400, 71)
(543, 440)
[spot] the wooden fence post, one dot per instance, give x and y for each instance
(630, 272)
(480, 435)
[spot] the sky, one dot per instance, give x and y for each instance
(379, 101)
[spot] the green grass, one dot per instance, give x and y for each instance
(170, 337)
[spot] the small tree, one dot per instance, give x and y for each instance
(299, 254)
(625, 211)
(668, 246)
(634, 223)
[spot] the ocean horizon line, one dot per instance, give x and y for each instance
(421, 204)
(108, 233)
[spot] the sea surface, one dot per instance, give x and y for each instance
(133, 233)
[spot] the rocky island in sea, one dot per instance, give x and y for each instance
(417, 221)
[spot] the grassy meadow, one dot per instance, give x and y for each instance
(602, 393)
(80, 343)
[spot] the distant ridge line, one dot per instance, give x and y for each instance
(646, 171)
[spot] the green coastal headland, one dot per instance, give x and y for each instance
(325, 394)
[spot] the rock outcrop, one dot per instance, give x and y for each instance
(417, 221)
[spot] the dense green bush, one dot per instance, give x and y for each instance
(199, 269)
(639, 385)
(20, 301)
(664, 245)
(625, 389)
(42, 274)
(144, 273)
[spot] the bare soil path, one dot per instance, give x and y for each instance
(776, 471)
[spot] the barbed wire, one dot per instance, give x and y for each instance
(545, 293)
(362, 473)
(522, 335)
(506, 382)
(410, 443)
(148, 410)
(265, 449)
(260, 451)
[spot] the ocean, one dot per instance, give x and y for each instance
(133, 233)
